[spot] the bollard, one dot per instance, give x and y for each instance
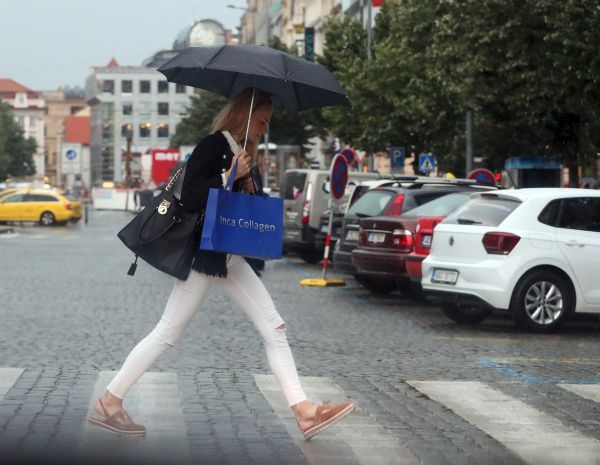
(85, 213)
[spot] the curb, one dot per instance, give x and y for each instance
(6, 229)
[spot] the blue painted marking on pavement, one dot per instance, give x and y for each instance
(489, 363)
(509, 371)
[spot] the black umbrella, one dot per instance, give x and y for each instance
(292, 82)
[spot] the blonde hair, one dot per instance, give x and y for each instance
(233, 117)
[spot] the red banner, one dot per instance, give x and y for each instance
(377, 3)
(162, 161)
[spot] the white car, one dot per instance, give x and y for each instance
(533, 252)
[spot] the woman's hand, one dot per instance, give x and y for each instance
(249, 185)
(244, 164)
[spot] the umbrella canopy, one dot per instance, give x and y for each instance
(292, 82)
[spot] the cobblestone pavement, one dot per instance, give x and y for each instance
(68, 311)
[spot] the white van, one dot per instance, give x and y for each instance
(305, 194)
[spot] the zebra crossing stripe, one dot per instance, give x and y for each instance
(154, 401)
(587, 391)
(536, 437)
(8, 378)
(358, 439)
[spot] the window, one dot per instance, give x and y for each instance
(163, 87)
(41, 198)
(144, 109)
(181, 108)
(107, 110)
(108, 86)
(372, 203)
(293, 185)
(548, 215)
(582, 213)
(127, 109)
(145, 129)
(489, 210)
(107, 131)
(126, 130)
(163, 108)
(144, 87)
(126, 87)
(180, 88)
(441, 206)
(163, 130)
(14, 198)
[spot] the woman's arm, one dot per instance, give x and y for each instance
(202, 172)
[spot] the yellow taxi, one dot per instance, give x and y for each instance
(39, 205)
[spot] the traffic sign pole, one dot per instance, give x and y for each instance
(338, 179)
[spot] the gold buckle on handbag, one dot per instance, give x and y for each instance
(163, 207)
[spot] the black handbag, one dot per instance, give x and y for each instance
(163, 234)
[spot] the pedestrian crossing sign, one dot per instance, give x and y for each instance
(426, 162)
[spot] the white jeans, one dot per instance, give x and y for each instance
(244, 288)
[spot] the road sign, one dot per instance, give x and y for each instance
(339, 176)
(426, 162)
(397, 156)
(309, 43)
(71, 158)
(349, 155)
(482, 176)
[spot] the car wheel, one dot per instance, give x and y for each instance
(542, 301)
(47, 219)
(465, 315)
(376, 285)
(311, 256)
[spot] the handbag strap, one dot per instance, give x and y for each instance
(177, 182)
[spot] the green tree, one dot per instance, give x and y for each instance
(16, 152)
(201, 111)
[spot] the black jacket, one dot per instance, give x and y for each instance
(211, 157)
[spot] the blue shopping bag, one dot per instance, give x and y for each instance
(242, 224)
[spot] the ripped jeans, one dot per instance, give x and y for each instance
(244, 288)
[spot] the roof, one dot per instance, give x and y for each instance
(9, 86)
(546, 192)
(77, 129)
(112, 63)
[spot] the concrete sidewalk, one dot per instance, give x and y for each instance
(6, 229)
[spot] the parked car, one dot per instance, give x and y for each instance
(39, 205)
(5, 192)
(305, 198)
(386, 241)
(387, 200)
(532, 252)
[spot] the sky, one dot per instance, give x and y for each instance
(46, 44)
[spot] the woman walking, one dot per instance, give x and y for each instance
(210, 167)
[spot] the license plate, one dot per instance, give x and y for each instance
(376, 238)
(426, 240)
(325, 228)
(444, 276)
(352, 236)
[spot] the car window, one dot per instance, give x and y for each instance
(549, 213)
(293, 185)
(41, 198)
(441, 206)
(581, 213)
(372, 203)
(14, 198)
(488, 211)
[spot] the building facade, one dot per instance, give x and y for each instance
(29, 110)
(58, 107)
(130, 102)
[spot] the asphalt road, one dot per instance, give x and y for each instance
(427, 390)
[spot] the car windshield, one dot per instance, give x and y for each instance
(371, 204)
(441, 206)
(484, 210)
(293, 185)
